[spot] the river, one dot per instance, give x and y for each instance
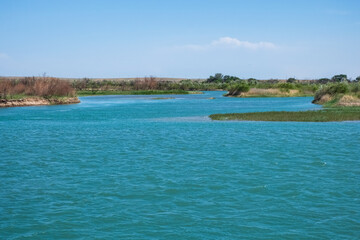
(132, 167)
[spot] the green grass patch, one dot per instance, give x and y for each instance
(17, 96)
(140, 92)
(326, 115)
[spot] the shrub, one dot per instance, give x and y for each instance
(44, 87)
(286, 86)
(239, 88)
(355, 87)
(332, 90)
(338, 88)
(252, 81)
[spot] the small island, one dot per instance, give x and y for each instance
(341, 102)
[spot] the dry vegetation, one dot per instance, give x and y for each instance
(270, 92)
(45, 87)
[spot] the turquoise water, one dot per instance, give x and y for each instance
(129, 167)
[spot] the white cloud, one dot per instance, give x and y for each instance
(245, 44)
(232, 42)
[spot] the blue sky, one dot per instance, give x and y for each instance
(190, 39)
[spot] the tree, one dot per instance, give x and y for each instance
(324, 80)
(228, 78)
(252, 81)
(218, 77)
(339, 78)
(357, 79)
(291, 80)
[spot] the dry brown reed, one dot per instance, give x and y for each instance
(36, 86)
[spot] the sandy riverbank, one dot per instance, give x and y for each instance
(37, 101)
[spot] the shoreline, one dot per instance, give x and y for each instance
(269, 92)
(37, 101)
(88, 93)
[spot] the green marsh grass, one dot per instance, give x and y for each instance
(337, 114)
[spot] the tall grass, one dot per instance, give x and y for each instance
(45, 87)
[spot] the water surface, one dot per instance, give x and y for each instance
(132, 167)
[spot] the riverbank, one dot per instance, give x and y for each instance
(269, 92)
(339, 100)
(84, 93)
(38, 101)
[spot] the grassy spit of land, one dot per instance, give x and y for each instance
(32, 92)
(342, 102)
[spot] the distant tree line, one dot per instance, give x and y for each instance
(217, 81)
(48, 86)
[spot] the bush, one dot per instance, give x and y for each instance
(286, 86)
(252, 81)
(332, 90)
(355, 88)
(338, 88)
(239, 88)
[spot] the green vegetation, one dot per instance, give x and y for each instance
(239, 88)
(236, 86)
(326, 115)
(139, 92)
(339, 78)
(342, 100)
(145, 84)
(338, 94)
(48, 87)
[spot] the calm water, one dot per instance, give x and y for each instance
(131, 167)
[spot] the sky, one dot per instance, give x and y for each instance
(262, 39)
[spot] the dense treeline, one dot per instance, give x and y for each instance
(45, 87)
